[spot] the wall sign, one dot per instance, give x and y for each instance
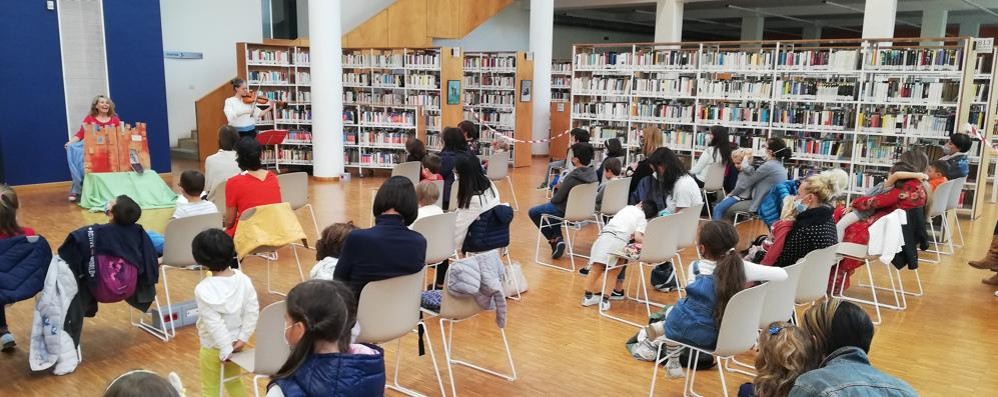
(182, 55)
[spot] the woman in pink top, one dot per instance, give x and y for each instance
(102, 114)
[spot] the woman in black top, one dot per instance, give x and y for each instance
(651, 139)
(813, 226)
(454, 144)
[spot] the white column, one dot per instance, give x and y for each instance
(669, 21)
(752, 27)
(326, 57)
(933, 24)
(811, 32)
(541, 39)
(878, 19)
(972, 29)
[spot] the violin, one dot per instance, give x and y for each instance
(251, 97)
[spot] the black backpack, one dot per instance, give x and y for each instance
(663, 277)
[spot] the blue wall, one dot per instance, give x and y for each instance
(133, 36)
(32, 103)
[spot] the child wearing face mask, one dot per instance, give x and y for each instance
(227, 311)
(318, 326)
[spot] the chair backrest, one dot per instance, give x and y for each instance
(452, 204)
(661, 238)
(458, 307)
(781, 296)
(814, 275)
(581, 202)
(294, 189)
(739, 324)
(689, 227)
(389, 309)
(440, 190)
(438, 230)
(498, 166)
(217, 196)
(715, 178)
(615, 196)
(954, 193)
(940, 199)
(179, 235)
(270, 351)
(409, 170)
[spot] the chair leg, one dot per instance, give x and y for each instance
(932, 231)
(724, 385)
(169, 303)
(512, 192)
(654, 371)
(869, 274)
(546, 222)
(959, 229)
(301, 274)
(315, 222)
(603, 313)
(706, 204)
(447, 358)
(161, 333)
(449, 352)
(433, 357)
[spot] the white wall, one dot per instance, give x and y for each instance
(213, 30)
(84, 64)
(566, 36)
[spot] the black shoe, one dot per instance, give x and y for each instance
(584, 271)
(557, 249)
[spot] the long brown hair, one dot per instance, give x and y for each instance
(718, 240)
(110, 110)
(785, 352)
(8, 211)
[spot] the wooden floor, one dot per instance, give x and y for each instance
(942, 344)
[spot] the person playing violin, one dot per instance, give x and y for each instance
(241, 110)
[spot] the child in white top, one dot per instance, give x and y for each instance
(629, 223)
(222, 165)
(227, 311)
(328, 249)
(191, 185)
(427, 195)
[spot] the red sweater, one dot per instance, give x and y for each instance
(114, 121)
(25, 231)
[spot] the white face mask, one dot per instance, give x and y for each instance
(946, 149)
(285, 335)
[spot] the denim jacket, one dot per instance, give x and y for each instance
(691, 320)
(847, 373)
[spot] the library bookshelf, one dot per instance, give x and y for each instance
(497, 94)
(561, 80)
(853, 104)
(391, 95)
(281, 73)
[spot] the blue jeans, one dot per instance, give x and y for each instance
(722, 207)
(554, 165)
(74, 157)
(550, 232)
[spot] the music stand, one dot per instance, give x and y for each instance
(273, 138)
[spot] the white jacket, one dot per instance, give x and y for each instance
(886, 238)
(50, 344)
(227, 311)
(466, 216)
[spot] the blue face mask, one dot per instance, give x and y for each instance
(799, 206)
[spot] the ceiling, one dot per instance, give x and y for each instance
(716, 20)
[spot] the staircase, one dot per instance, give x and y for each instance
(187, 148)
(415, 23)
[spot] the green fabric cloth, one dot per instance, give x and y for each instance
(148, 190)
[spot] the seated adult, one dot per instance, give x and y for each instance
(651, 140)
(671, 187)
(9, 228)
(578, 135)
(582, 173)
(748, 196)
(222, 165)
(471, 135)
(475, 194)
(454, 144)
(252, 187)
(843, 333)
(812, 226)
(718, 151)
(389, 248)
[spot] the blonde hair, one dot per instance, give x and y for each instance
(785, 352)
(427, 193)
(652, 139)
(8, 211)
(817, 321)
(826, 185)
(110, 110)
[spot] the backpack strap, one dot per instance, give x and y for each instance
(92, 265)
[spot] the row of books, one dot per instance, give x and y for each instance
(981, 90)
(822, 90)
(561, 81)
(352, 78)
(391, 60)
(665, 59)
(433, 121)
(911, 91)
(736, 89)
(561, 67)
(489, 98)
(561, 96)
(390, 79)
(736, 60)
(299, 136)
(814, 117)
(838, 60)
(673, 112)
(270, 156)
(490, 61)
(376, 137)
(268, 77)
(497, 120)
(601, 84)
(601, 133)
(909, 123)
(303, 78)
(302, 58)
(602, 60)
(817, 148)
(612, 110)
(424, 99)
(272, 57)
(665, 84)
(748, 115)
(945, 59)
(422, 59)
(394, 117)
(384, 98)
(380, 158)
(479, 80)
(424, 80)
(294, 114)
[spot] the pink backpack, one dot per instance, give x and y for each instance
(115, 277)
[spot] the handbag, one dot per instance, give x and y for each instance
(514, 272)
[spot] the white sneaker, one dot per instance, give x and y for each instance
(591, 301)
(673, 368)
(604, 304)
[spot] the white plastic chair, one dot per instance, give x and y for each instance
(177, 252)
(440, 196)
(614, 198)
(454, 309)
(940, 202)
(737, 334)
(269, 353)
(269, 253)
(688, 229)
(777, 306)
(438, 230)
(714, 183)
(294, 191)
(952, 205)
(498, 169)
(217, 196)
(389, 310)
(580, 209)
(409, 170)
(813, 283)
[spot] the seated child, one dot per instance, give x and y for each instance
(785, 352)
(427, 194)
(628, 224)
(431, 168)
(611, 171)
(324, 361)
(936, 172)
(956, 149)
(191, 185)
(742, 158)
(227, 311)
(899, 173)
(328, 248)
(143, 383)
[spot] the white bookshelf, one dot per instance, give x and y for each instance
(282, 74)
(852, 104)
(490, 95)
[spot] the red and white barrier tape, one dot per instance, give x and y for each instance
(514, 140)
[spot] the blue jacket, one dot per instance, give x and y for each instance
(22, 268)
(772, 203)
(389, 249)
(768, 174)
(490, 230)
(959, 166)
(337, 375)
(847, 373)
(691, 320)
